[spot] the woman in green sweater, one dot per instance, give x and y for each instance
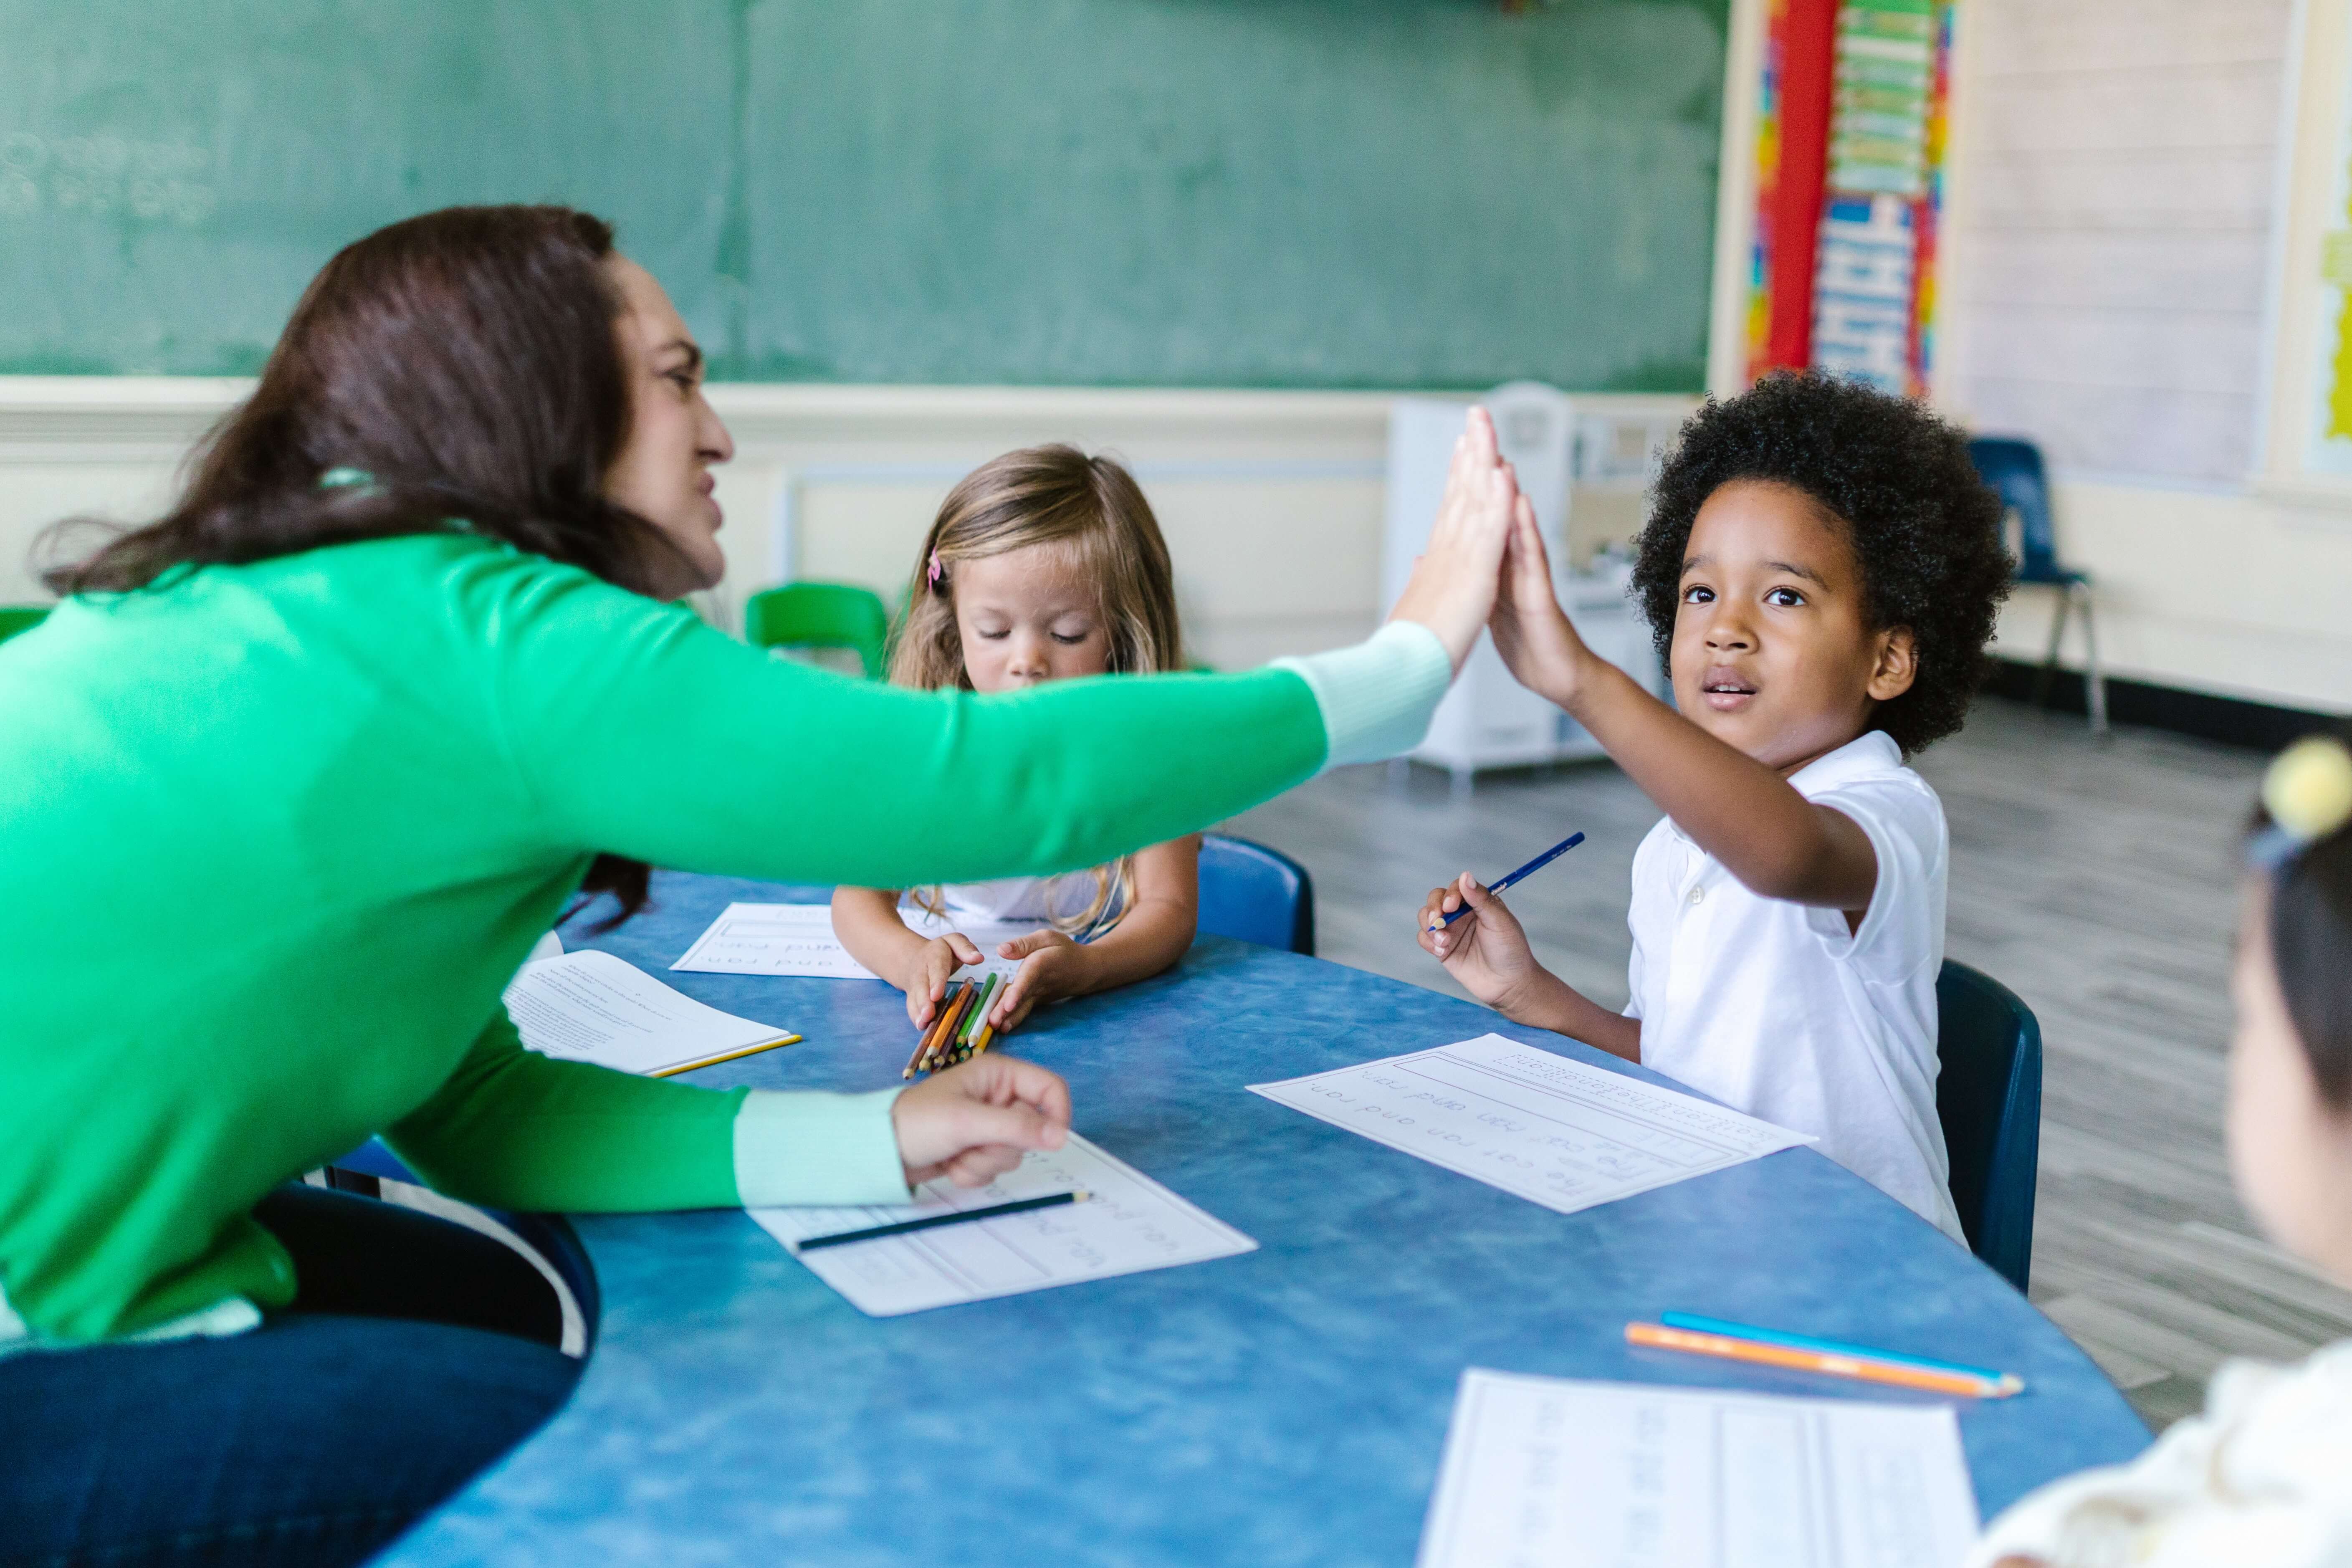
(294, 777)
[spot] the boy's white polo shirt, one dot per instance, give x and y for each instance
(1777, 1010)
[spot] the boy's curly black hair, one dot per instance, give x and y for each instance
(1924, 527)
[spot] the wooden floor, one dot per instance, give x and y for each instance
(2097, 880)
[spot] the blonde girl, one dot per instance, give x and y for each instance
(1044, 564)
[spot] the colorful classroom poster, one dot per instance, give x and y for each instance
(1850, 154)
(2329, 447)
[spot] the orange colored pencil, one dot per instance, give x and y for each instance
(1660, 1337)
(943, 1042)
(948, 1006)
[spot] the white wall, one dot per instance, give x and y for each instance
(1271, 501)
(2111, 292)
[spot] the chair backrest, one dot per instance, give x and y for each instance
(821, 614)
(14, 618)
(1988, 1099)
(1257, 894)
(2013, 468)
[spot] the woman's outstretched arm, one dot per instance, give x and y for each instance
(638, 731)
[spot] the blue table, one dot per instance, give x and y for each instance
(1287, 1406)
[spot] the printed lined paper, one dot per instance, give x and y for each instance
(591, 1007)
(1552, 1131)
(1130, 1223)
(798, 940)
(1612, 1475)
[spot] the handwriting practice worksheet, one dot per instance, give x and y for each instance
(591, 1006)
(1128, 1224)
(1561, 1474)
(1554, 1131)
(798, 940)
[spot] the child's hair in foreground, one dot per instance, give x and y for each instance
(1890, 476)
(1091, 511)
(2304, 835)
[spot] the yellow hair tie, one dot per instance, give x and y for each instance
(2308, 788)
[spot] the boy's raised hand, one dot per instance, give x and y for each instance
(1486, 950)
(1451, 590)
(972, 1122)
(1537, 643)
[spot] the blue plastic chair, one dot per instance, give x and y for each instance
(2013, 468)
(1988, 1099)
(1256, 894)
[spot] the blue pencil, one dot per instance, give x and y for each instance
(1693, 1323)
(1538, 864)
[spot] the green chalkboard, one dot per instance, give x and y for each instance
(1268, 193)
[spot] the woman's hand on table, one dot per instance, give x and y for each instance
(972, 1123)
(1453, 588)
(934, 965)
(1052, 966)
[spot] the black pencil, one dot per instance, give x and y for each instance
(1020, 1205)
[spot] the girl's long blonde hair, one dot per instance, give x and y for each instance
(1092, 511)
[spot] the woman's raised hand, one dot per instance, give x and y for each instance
(1452, 591)
(972, 1123)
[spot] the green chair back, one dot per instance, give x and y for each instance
(821, 614)
(14, 618)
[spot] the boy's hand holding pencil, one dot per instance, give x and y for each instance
(1485, 947)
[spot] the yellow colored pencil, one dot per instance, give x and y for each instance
(1660, 1337)
(726, 1056)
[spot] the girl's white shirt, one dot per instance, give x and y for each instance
(1016, 900)
(2261, 1479)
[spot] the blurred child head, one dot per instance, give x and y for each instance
(1044, 563)
(2291, 1056)
(1821, 561)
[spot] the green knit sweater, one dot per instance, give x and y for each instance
(274, 838)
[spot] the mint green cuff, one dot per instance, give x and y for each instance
(813, 1149)
(1379, 696)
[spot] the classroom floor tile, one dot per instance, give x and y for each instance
(2096, 879)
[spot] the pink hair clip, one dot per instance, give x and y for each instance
(938, 571)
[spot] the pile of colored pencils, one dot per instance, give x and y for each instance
(957, 1033)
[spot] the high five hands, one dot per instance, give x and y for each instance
(1453, 588)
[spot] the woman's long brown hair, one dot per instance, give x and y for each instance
(1093, 511)
(464, 361)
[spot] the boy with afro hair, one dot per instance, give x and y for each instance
(1821, 569)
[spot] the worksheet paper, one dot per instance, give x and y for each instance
(592, 1007)
(798, 940)
(1554, 1131)
(1130, 1223)
(1544, 1471)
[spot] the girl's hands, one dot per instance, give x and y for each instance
(926, 976)
(1052, 967)
(972, 1123)
(1452, 591)
(1486, 950)
(1531, 632)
